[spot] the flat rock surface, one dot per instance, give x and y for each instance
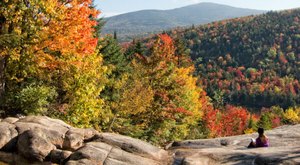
(284, 149)
(133, 145)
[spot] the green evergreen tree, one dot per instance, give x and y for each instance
(135, 48)
(113, 56)
(265, 121)
(118, 67)
(182, 53)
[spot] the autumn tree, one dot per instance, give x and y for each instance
(227, 122)
(51, 43)
(21, 23)
(172, 106)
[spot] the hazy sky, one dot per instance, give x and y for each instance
(113, 7)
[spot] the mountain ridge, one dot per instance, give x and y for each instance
(143, 22)
(192, 5)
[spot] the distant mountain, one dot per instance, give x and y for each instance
(148, 21)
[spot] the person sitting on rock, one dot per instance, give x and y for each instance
(261, 141)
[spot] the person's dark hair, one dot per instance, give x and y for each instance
(260, 131)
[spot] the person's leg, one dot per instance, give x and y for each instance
(252, 143)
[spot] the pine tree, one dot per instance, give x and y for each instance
(119, 70)
(182, 54)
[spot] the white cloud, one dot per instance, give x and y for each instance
(109, 14)
(191, 1)
(195, 1)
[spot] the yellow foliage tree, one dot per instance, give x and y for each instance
(291, 115)
(162, 103)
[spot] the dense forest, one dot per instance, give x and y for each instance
(54, 62)
(251, 61)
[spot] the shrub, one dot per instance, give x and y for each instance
(249, 131)
(291, 116)
(234, 120)
(271, 117)
(265, 121)
(36, 99)
(231, 121)
(252, 122)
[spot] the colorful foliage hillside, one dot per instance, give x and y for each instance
(250, 61)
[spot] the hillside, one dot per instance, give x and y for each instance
(251, 61)
(148, 21)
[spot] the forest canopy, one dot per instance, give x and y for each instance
(250, 61)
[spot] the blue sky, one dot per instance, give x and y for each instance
(113, 7)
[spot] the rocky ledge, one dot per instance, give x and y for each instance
(284, 149)
(42, 140)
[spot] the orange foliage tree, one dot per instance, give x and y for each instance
(51, 44)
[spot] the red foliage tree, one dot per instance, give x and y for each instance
(232, 121)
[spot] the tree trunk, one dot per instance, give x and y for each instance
(3, 61)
